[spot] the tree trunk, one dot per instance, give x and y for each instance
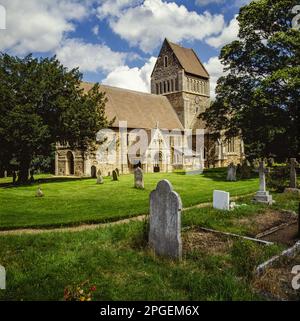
(24, 171)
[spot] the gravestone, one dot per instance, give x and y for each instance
(31, 179)
(138, 178)
(165, 221)
(221, 200)
(39, 192)
(114, 176)
(293, 177)
(2, 278)
(99, 177)
(117, 171)
(14, 176)
(262, 196)
(231, 172)
(5, 174)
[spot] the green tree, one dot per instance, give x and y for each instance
(42, 103)
(258, 98)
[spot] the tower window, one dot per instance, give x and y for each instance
(166, 61)
(168, 86)
(157, 89)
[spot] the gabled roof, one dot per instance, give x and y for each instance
(140, 110)
(189, 60)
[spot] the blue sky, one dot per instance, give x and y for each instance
(117, 41)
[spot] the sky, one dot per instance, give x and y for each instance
(116, 42)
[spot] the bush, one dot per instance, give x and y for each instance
(277, 178)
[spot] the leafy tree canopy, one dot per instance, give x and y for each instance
(259, 96)
(41, 103)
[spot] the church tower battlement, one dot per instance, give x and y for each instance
(180, 76)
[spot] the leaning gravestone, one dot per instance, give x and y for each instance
(221, 200)
(117, 171)
(293, 177)
(262, 196)
(114, 176)
(138, 178)
(165, 221)
(231, 172)
(39, 192)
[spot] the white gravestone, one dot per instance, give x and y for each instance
(2, 278)
(165, 221)
(221, 200)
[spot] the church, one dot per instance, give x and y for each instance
(180, 92)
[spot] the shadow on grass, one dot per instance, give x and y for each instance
(45, 180)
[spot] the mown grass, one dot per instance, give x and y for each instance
(229, 221)
(39, 267)
(117, 260)
(72, 202)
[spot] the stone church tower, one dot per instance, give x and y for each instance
(181, 77)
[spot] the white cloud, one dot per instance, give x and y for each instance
(215, 69)
(39, 26)
(115, 7)
(132, 78)
(89, 57)
(95, 30)
(147, 24)
(228, 34)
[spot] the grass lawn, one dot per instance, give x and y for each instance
(118, 262)
(39, 267)
(75, 201)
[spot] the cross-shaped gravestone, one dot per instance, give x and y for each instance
(138, 178)
(293, 173)
(165, 221)
(262, 196)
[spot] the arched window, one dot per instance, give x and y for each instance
(168, 82)
(172, 85)
(160, 88)
(157, 89)
(176, 84)
(165, 87)
(166, 61)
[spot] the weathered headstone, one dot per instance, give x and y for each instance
(293, 177)
(165, 221)
(262, 196)
(2, 278)
(221, 200)
(231, 172)
(99, 177)
(39, 192)
(5, 174)
(117, 171)
(138, 178)
(114, 176)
